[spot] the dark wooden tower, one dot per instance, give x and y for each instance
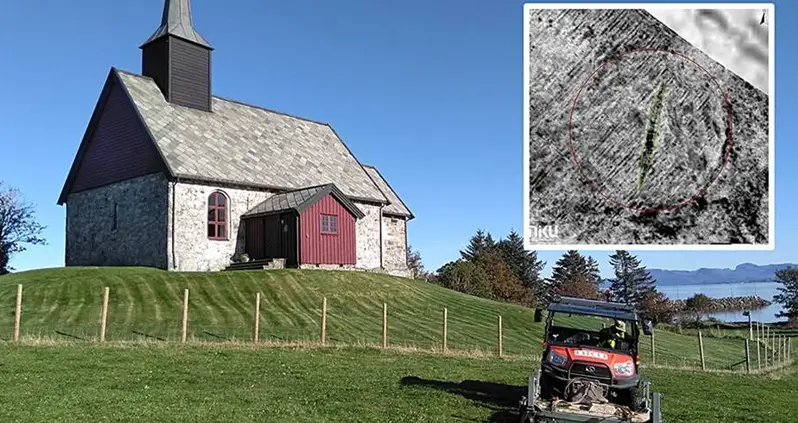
(179, 59)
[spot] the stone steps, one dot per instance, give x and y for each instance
(263, 264)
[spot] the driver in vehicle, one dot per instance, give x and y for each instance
(611, 336)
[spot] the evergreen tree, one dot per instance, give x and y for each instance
(572, 273)
(480, 243)
(524, 264)
(594, 274)
(632, 282)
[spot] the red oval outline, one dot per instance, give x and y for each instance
(702, 191)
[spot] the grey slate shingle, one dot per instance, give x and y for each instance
(300, 199)
(396, 206)
(248, 145)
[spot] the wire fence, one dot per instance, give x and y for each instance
(188, 321)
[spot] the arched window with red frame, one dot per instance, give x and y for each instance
(218, 206)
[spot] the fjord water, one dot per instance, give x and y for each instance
(765, 290)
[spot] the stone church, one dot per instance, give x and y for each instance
(168, 175)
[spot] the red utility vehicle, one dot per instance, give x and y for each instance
(589, 369)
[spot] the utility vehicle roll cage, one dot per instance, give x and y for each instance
(597, 308)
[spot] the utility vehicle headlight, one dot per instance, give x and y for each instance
(624, 369)
(557, 359)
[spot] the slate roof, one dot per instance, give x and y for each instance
(247, 145)
(301, 199)
(396, 207)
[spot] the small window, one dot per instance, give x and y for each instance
(329, 224)
(217, 216)
(116, 215)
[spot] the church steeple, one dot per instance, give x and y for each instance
(178, 58)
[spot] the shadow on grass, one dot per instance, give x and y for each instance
(500, 398)
(146, 335)
(69, 335)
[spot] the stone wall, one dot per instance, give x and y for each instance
(394, 245)
(192, 250)
(368, 237)
(121, 224)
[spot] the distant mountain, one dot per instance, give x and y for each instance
(746, 272)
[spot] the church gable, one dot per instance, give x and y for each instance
(115, 146)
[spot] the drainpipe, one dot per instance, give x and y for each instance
(382, 265)
(174, 255)
(404, 219)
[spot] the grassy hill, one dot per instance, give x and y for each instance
(144, 303)
(175, 383)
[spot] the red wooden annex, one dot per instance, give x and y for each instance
(314, 225)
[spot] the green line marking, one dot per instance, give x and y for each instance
(652, 135)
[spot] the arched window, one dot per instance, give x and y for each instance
(217, 215)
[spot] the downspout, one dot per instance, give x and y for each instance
(173, 206)
(298, 250)
(382, 265)
(407, 247)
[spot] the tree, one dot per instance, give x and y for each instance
(593, 271)
(573, 269)
(579, 286)
(698, 304)
(504, 283)
(657, 307)
(18, 227)
(632, 281)
(414, 263)
(788, 293)
(524, 264)
(480, 243)
(466, 277)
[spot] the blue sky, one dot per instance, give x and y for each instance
(430, 92)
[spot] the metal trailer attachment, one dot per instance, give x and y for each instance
(533, 409)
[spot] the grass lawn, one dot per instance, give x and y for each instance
(159, 382)
(65, 303)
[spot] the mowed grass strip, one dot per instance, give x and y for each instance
(146, 303)
(160, 382)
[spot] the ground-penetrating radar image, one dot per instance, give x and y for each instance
(640, 136)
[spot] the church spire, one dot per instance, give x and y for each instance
(178, 59)
(176, 21)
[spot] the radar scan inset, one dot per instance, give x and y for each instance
(637, 137)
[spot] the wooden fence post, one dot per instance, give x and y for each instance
(500, 336)
(786, 355)
(445, 330)
(773, 351)
(782, 343)
(758, 357)
(104, 314)
(256, 335)
(653, 351)
(701, 350)
(748, 356)
(324, 321)
(18, 313)
(385, 325)
(185, 316)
